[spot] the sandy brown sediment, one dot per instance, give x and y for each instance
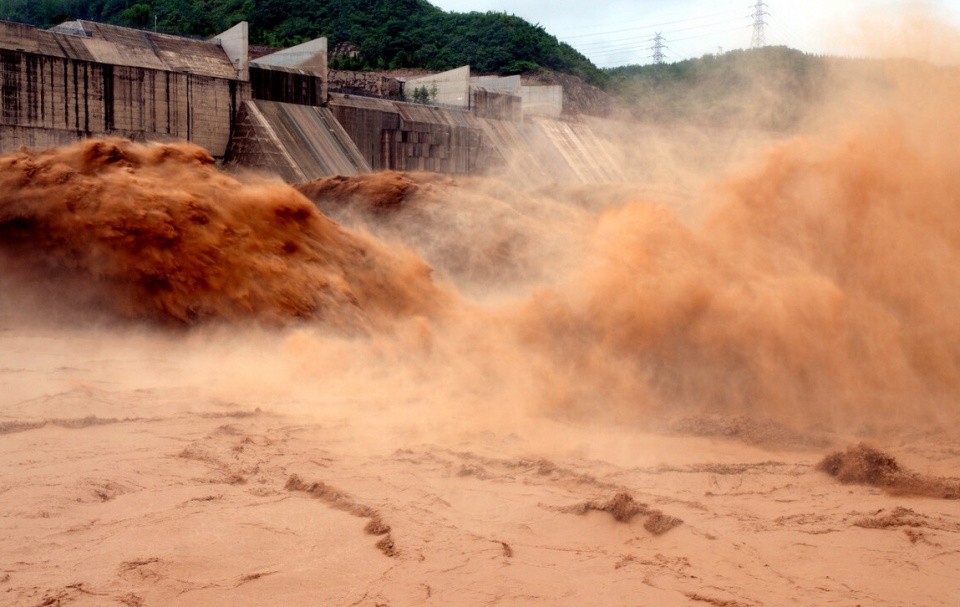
(290, 537)
(377, 193)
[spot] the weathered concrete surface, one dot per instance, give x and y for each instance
(310, 56)
(294, 75)
(287, 85)
(299, 143)
(236, 44)
(496, 104)
(115, 45)
(407, 137)
(57, 88)
(410, 137)
(505, 84)
(590, 157)
(542, 100)
(537, 100)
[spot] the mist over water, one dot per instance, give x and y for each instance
(817, 285)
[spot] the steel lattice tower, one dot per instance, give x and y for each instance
(759, 36)
(657, 48)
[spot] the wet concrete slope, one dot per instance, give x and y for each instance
(298, 142)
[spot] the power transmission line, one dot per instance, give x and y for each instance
(788, 36)
(759, 36)
(675, 57)
(637, 44)
(602, 56)
(694, 37)
(679, 31)
(615, 41)
(634, 41)
(646, 26)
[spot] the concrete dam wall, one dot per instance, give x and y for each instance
(410, 137)
(274, 113)
(359, 134)
(60, 87)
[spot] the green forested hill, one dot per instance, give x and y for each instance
(770, 87)
(389, 33)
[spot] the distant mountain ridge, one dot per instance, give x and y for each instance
(773, 87)
(768, 87)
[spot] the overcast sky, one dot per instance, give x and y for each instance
(620, 32)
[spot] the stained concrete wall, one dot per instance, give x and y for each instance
(88, 99)
(411, 137)
(294, 75)
(52, 94)
(543, 151)
(405, 136)
(114, 45)
(542, 100)
(287, 85)
(506, 84)
(590, 158)
(499, 105)
(236, 45)
(310, 57)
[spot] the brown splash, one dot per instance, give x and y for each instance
(864, 465)
(823, 289)
(157, 232)
(374, 193)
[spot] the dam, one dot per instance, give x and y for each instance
(282, 112)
